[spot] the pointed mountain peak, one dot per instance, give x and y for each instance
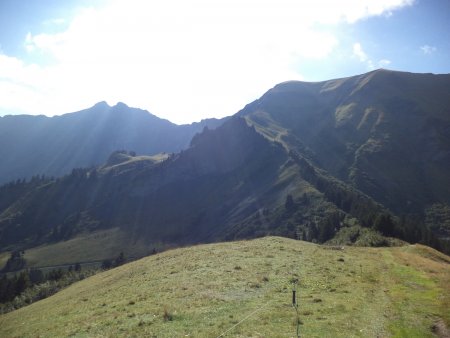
(121, 105)
(101, 104)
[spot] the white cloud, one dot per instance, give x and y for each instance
(355, 10)
(426, 49)
(56, 21)
(359, 52)
(20, 85)
(384, 63)
(45, 42)
(14, 70)
(181, 59)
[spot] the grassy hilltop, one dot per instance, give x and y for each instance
(206, 290)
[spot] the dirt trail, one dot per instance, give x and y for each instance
(440, 329)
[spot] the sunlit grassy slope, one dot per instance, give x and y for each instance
(86, 247)
(206, 290)
(3, 259)
(93, 246)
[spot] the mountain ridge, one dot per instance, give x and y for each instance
(36, 145)
(361, 123)
(301, 162)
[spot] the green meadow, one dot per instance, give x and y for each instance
(244, 289)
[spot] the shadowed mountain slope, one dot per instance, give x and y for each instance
(230, 183)
(385, 133)
(36, 145)
(185, 197)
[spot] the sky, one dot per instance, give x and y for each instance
(185, 60)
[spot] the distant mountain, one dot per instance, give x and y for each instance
(343, 161)
(36, 145)
(188, 197)
(230, 183)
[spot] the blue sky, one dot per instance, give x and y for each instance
(190, 59)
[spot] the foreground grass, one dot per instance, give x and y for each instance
(206, 290)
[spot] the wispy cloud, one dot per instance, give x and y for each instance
(426, 49)
(384, 63)
(353, 11)
(55, 21)
(359, 53)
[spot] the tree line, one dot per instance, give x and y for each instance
(11, 287)
(410, 227)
